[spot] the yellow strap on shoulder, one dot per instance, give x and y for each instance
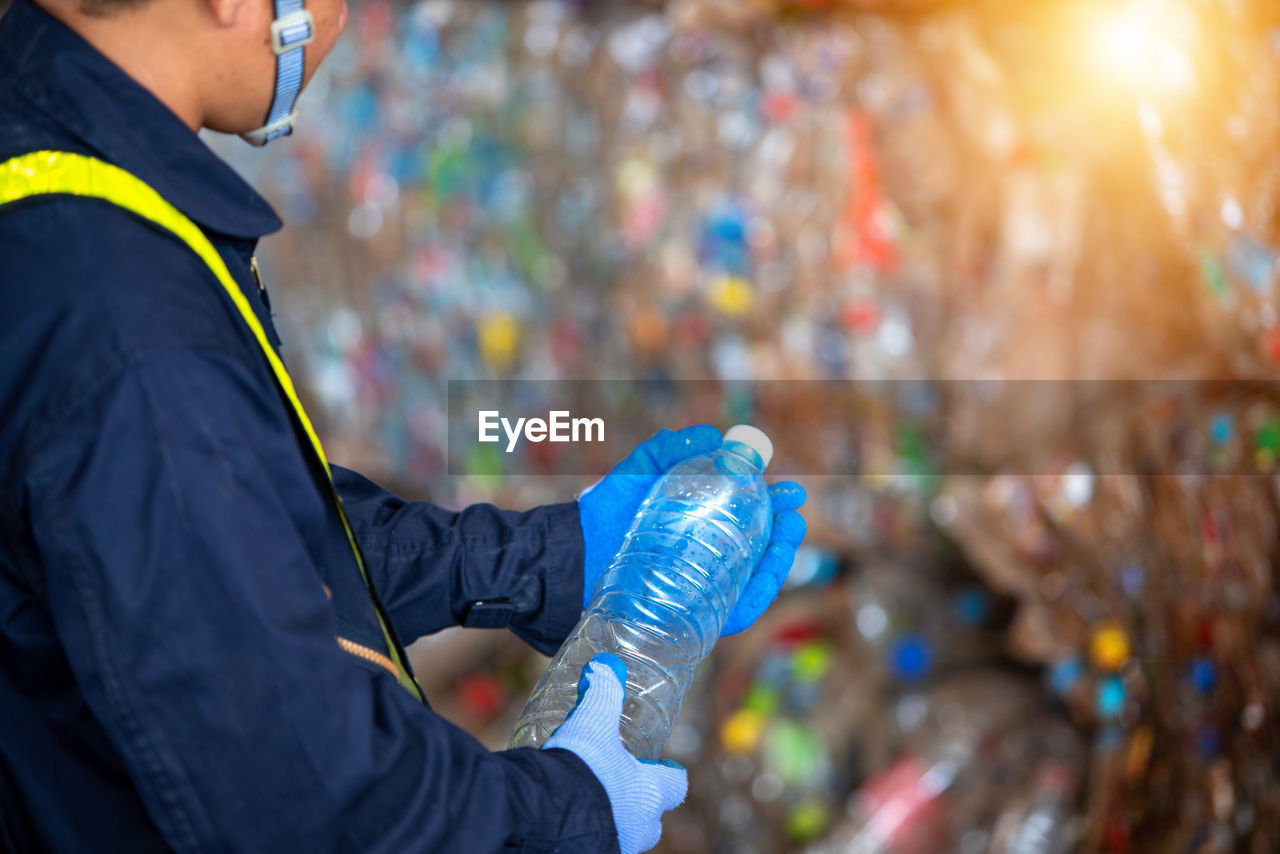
(63, 173)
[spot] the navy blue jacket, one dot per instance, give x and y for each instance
(172, 573)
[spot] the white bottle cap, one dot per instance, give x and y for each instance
(754, 438)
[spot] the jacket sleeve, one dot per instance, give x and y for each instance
(195, 624)
(482, 567)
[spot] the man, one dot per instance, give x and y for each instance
(199, 642)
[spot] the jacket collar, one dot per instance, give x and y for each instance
(50, 66)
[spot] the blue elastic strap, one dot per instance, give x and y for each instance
(289, 69)
(289, 66)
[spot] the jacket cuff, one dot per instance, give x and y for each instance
(546, 626)
(580, 820)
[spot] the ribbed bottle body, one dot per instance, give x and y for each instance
(661, 604)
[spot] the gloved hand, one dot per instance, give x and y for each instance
(607, 509)
(771, 571)
(639, 791)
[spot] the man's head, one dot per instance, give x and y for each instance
(210, 61)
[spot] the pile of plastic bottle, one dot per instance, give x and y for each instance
(486, 191)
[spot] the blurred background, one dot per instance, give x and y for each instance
(1020, 625)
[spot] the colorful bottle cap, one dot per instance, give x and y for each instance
(1221, 428)
(1111, 697)
(1133, 578)
(742, 731)
(807, 819)
(1110, 648)
(911, 658)
(731, 295)
(1065, 674)
(1203, 675)
(793, 751)
(971, 606)
(810, 662)
(499, 335)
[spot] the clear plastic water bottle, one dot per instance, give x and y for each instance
(1040, 823)
(661, 604)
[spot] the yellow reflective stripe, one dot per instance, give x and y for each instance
(60, 172)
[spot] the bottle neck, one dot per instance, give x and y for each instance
(746, 452)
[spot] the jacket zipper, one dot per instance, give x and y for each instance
(362, 651)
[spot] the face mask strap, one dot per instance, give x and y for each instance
(291, 31)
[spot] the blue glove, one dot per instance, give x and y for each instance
(607, 509)
(639, 792)
(771, 571)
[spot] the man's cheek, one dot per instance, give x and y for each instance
(327, 34)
